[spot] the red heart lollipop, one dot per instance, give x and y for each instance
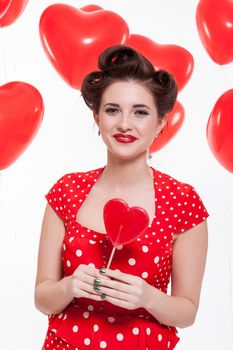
(124, 224)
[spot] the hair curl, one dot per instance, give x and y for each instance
(123, 63)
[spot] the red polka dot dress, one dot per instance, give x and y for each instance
(88, 324)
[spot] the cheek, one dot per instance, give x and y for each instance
(106, 123)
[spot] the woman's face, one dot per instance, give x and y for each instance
(128, 108)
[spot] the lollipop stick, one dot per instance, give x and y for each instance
(111, 256)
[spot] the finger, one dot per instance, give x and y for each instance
(117, 294)
(121, 276)
(121, 303)
(83, 286)
(91, 296)
(83, 276)
(118, 285)
(93, 271)
(88, 273)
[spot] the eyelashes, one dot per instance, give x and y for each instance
(114, 110)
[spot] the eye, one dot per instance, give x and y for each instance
(141, 112)
(111, 110)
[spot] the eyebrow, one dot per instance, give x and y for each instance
(117, 105)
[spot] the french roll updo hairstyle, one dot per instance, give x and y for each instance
(123, 63)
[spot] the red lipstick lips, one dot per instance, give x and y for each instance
(125, 138)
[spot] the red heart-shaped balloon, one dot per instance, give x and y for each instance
(173, 58)
(220, 130)
(215, 26)
(174, 123)
(74, 38)
(124, 224)
(21, 113)
(10, 10)
(90, 8)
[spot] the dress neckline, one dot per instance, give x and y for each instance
(96, 176)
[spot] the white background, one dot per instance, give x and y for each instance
(67, 141)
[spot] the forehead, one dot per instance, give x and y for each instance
(127, 92)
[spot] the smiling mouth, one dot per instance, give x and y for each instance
(124, 139)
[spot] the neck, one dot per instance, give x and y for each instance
(125, 174)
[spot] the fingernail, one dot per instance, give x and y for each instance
(97, 281)
(103, 296)
(102, 270)
(97, 288)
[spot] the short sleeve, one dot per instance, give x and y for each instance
(190, 210)
(55, 197)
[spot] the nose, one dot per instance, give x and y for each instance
(124, 122)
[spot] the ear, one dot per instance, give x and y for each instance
(96, 117)
(162, 122)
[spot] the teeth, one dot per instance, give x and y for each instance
(125, 138)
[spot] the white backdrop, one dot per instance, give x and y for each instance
(67, 141)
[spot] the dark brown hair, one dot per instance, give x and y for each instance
(123, 63)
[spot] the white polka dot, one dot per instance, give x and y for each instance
(95, 327)
(90, 307)
(144, 274)
(148, 331)
(86, 314)
(79, 252)
(103, 344)
(119, 247)
(87, 341)
(156, 259)
(120, 337)
(145, 248)
(160, 337)
(111, 319)
(132, 261)
(168, 344)
(68, 263)
(75, 329)
(92, 242)
(135, 331)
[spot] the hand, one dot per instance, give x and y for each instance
(80, 284)
(124, 290)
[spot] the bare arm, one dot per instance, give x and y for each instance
(50, 289)
(189, 258)
(53, 292)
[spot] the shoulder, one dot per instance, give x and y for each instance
(180, 201)
(172, 185)
(77, 177)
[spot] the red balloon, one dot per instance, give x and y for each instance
(215, 26)
(21, 113)
(90, 8)
(220, 130)
(73, 39)
(124, 224)
(173, 58)
(174, 122)
(10, 10)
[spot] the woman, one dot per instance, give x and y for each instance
(94, 307)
